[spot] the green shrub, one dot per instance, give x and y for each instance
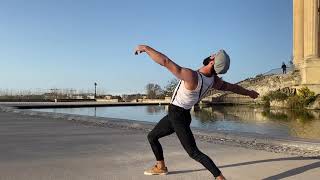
(274, 95)
(307, 95)
(304, 97)
(278, 95)
(266, 101)
(305, 92)
(295, 102)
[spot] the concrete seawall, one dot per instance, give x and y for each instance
(29, 105)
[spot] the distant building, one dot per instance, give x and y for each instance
(77, 97)
(108, 97)
(90, 97)
(133, 97)
(118, 98)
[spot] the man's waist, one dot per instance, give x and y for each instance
(178, 108)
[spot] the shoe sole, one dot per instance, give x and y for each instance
(150, 174)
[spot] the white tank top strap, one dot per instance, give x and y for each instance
(176, 91)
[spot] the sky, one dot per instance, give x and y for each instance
(74, 43)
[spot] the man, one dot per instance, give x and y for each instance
(191, 88)
(284, 68)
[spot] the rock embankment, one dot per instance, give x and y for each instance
(262, 84)
(315, 104)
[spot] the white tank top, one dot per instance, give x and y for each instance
(185, 98)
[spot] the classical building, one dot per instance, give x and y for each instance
(306, 42)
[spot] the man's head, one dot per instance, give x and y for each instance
(219, 62)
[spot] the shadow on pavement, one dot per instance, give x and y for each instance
(185, 171)
(282, 175)
(294, 171)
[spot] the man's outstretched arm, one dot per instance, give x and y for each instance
(182, 73)
(225, 86)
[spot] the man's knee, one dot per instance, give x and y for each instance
(195, 154)
(151, 137)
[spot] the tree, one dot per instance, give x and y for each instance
(170, 87)
(153, 91)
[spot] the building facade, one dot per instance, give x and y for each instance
(306, 42)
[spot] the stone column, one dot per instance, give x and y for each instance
(310, 70)
(298, 32)
(311, 27)
(318, 27)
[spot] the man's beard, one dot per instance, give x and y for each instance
(213, 71)
(206, 62)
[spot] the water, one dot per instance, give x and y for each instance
(276, 123)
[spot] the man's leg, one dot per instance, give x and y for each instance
(181, 126)
(163, 128)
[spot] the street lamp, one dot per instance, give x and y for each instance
(95, 90)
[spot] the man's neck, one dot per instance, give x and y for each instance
(205, 71)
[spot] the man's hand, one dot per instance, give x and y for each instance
(253, 94)
(140, 49)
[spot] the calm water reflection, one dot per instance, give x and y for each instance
(272, 122)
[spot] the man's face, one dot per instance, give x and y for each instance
(211, 63)
(209, 60)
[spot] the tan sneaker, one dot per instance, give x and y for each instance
(156, 171)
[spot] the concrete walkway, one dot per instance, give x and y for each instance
(34, 148)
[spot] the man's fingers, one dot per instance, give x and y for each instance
(138, 52)
(139, 49)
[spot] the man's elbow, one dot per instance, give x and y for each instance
(166, 62)
(225, 86)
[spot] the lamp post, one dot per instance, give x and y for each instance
(95, 90)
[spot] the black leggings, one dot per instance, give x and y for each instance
(178, 120)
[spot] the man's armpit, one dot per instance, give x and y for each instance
(218, 84)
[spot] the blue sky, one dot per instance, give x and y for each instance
(74, 43)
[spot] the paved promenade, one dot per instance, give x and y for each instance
(35, 147)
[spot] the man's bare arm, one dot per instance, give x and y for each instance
(182, 73)
(225, 86)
